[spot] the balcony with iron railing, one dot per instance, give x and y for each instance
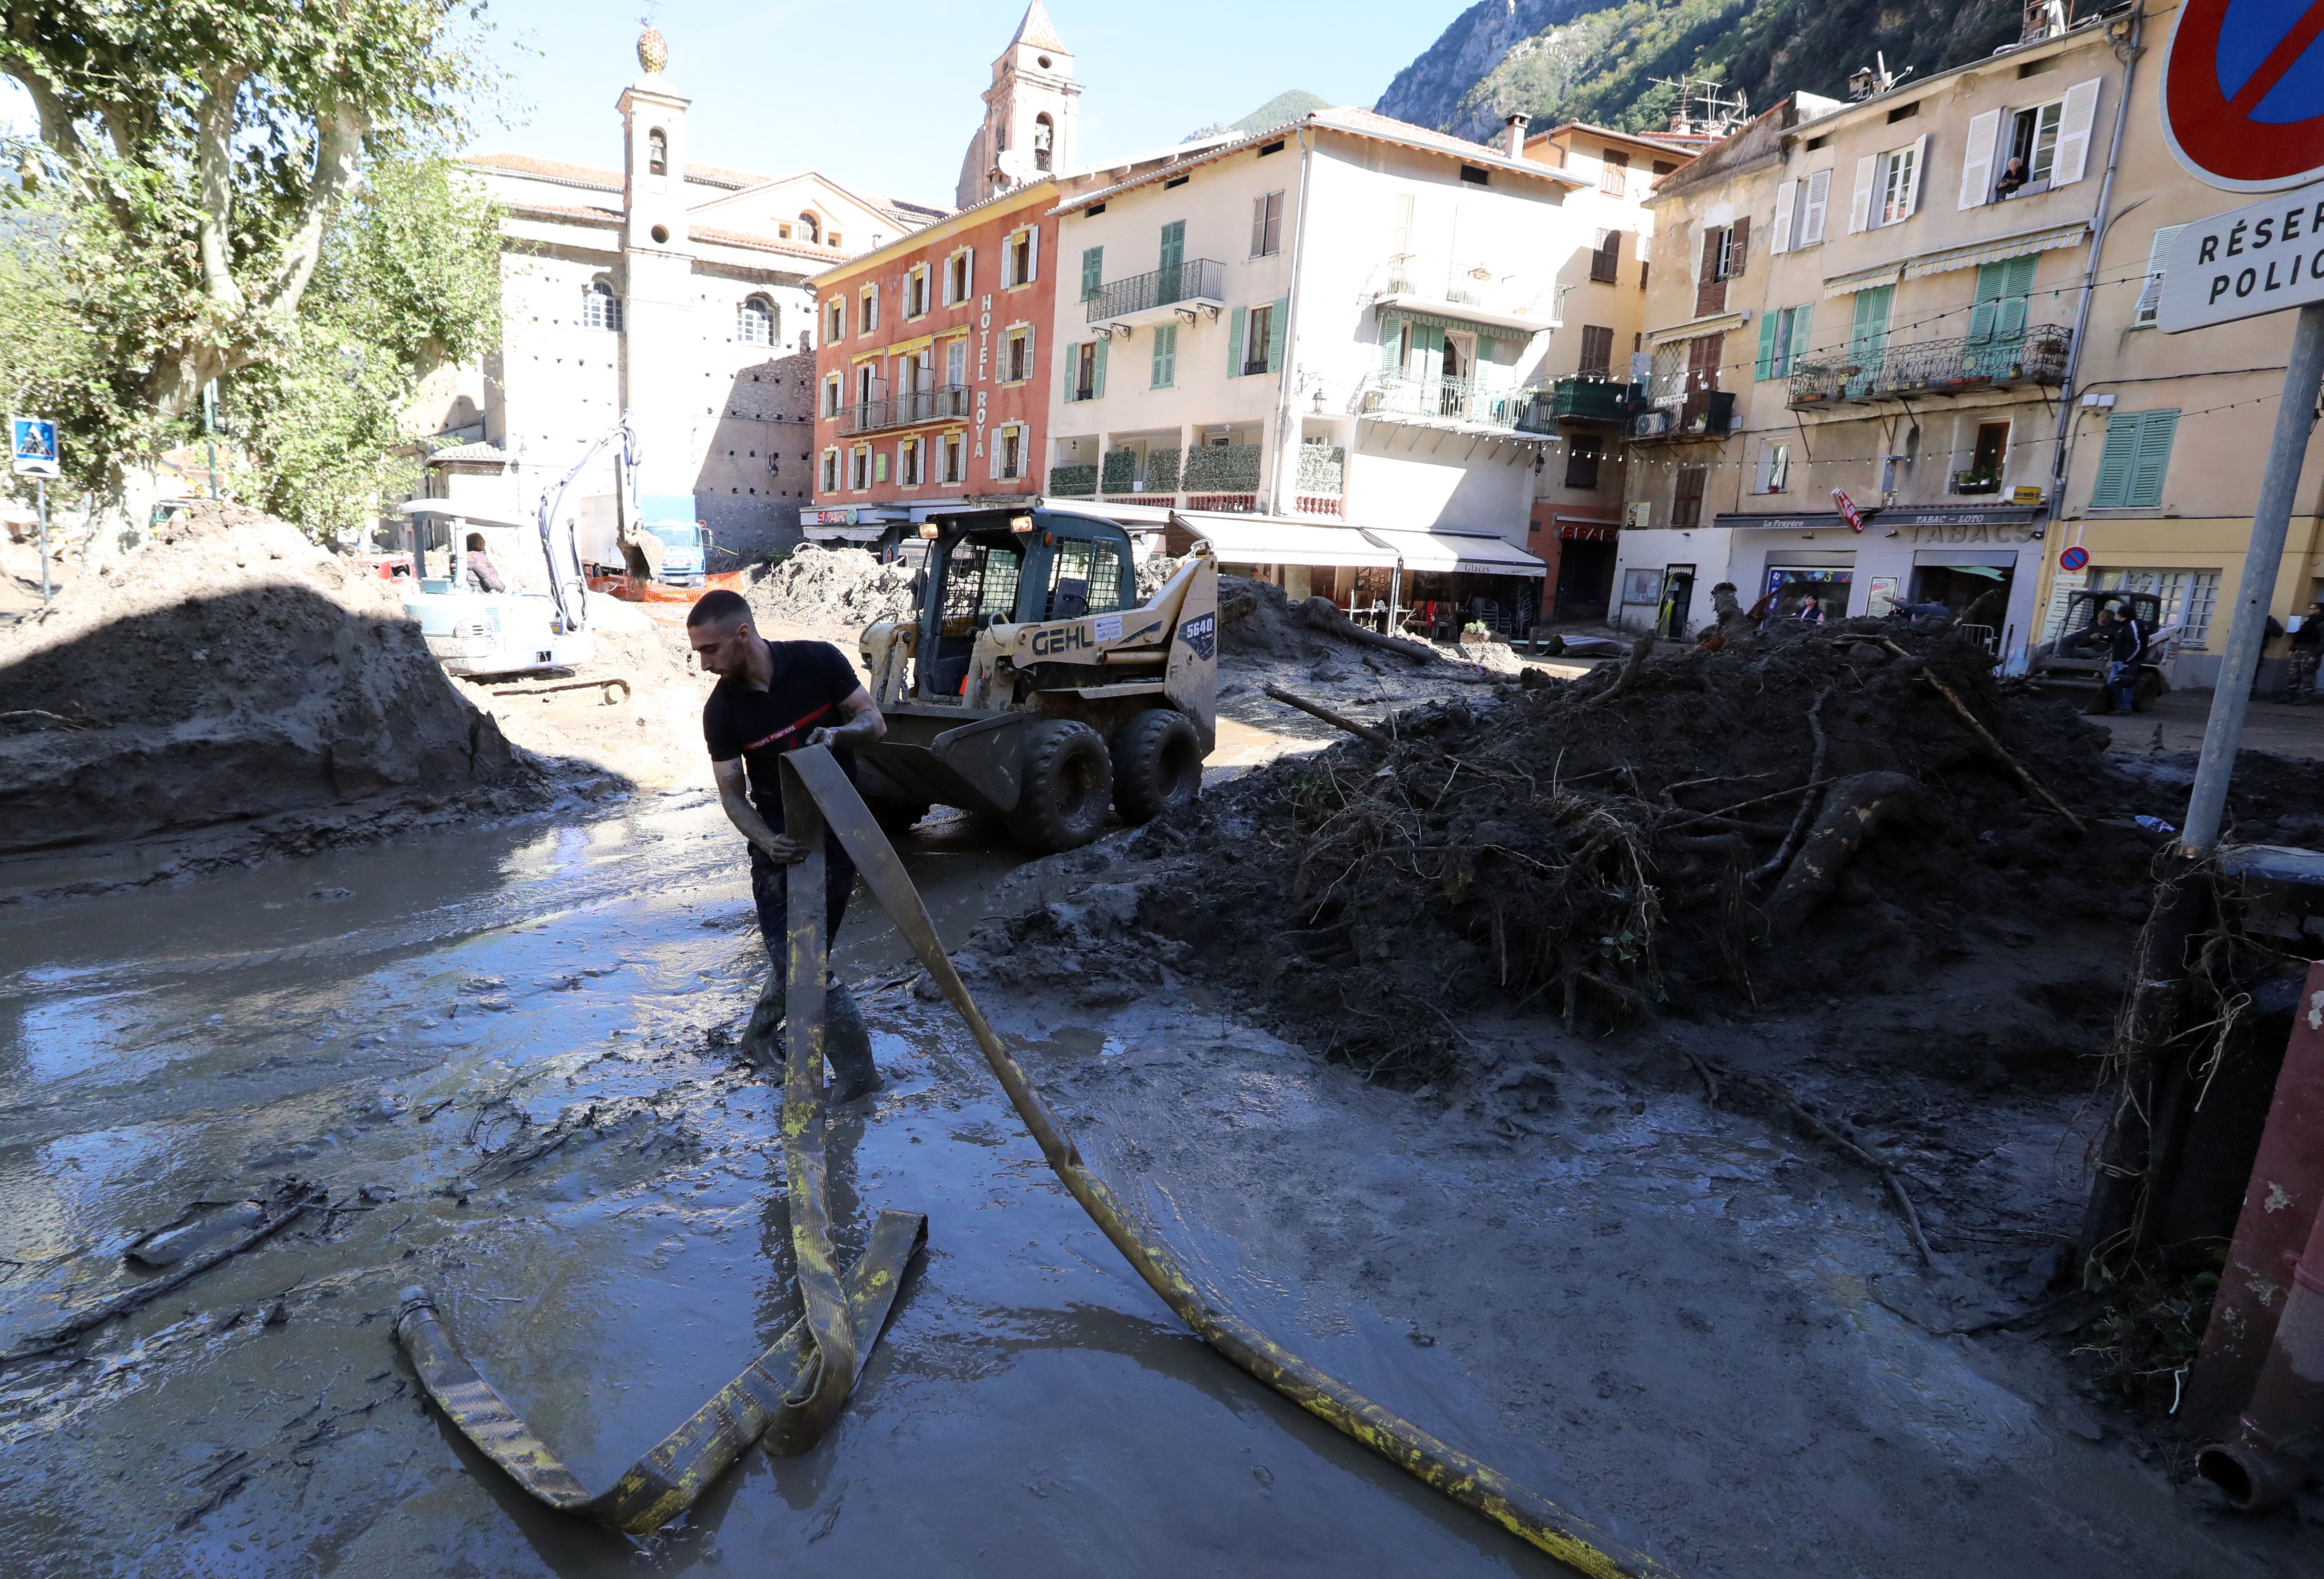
(1933, 367)
(1457, 400)
(949, 402)
(1597, 399)
(1159, 295)
(1692, 414)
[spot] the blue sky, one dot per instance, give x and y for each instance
(886, 96)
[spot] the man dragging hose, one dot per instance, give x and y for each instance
(774, 697)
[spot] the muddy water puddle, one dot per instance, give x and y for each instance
(505, 1057)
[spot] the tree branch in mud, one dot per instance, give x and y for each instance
(1856, 808)
(1998, 749)
(1362, 731)
(1776, 862)
(1324, 615)
(1640, 650)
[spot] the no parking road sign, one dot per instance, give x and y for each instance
(2243, 92)
(2074, 558)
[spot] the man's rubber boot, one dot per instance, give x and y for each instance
(847, 1044)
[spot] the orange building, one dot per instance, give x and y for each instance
(932, 372)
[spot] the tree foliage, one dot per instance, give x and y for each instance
(195, 164)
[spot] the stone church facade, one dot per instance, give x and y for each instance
(674, 289)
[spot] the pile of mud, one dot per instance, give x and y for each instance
(1656, 838)
(845, 587)
(227, 669)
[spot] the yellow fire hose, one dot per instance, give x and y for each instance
(823, 1353)
(1525, 1513)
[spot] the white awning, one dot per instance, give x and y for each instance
(1993, 251)
(1870, 278)
(1260, 539)
(1477, 552)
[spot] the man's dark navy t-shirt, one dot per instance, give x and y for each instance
(811, 679)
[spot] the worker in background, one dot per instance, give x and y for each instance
(2307, 647)
(772, 698)
(2094, 639)
(2125, 639)
(483, 573)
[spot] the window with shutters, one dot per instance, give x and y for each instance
(1775, 467)
(1093, 271)
(867, 310)
(1614, 173)
(1017, 258)
(827, 480)
(1017, 355)
(1996, 319)
(859, 468)
(1723, 250)
(1166, 355)
(916, 292)
(1584, 453)
(1266, 225)
(1686, 498)
(834, 320)
(1597, 351)
(1897, 184)
(1606, 263)
(1009, 453)
(831, 395)
(1782, 341)
(952, 449)
(2135, 459)
(908, 456)
(1814, 202)
(960, 277)
(2033, 156)
(1084, 372)
(1259, 333)
(2158, 252)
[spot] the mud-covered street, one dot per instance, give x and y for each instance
(507, 1056)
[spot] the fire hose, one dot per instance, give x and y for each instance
(816, 795)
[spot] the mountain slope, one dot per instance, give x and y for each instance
(1561, 59)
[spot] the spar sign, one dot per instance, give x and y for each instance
(2243, 92)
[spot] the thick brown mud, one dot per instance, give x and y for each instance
(508, 1056)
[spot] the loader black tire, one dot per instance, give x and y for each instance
(1068, 781)
(1158, 765)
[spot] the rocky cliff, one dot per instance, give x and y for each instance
(1560, 60)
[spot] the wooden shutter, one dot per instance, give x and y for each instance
(2151, 459)
(1911, 202)
(1258, 226)
(1860, 207)
(1276, 320)
(1868, 335)
(1767, 349)
(1092, 271)
(1976, 161)
(2074, 123)
(1174, 244)
(1786, 201)
(1982, 305)
(1391, 343)
(1032, 256)
(2113, 485)
(1029, 362)
(2016, 288)
(1234, 343)
(1814, 204)
(2158, 253)
(1710, 289)
(1166, 355)
(1097, 379)
(1802, 316)
(1739, 247)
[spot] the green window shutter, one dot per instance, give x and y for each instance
(1391, 343)
(1985, 302)
(2112, 489)
(2016, 291)
(1174, 244)
(1166, 355)
(1234, 343)
(1274, 321)
(1092, 271)
(2150, 460)
(1801, 316)
(1868, 335)
(1767, 325)
(1097, 380)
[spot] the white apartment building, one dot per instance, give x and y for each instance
(1326, 341)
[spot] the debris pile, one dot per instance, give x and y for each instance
(227, 669)
(1803, 810)
(845, 587)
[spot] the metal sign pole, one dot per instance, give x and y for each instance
(41, 495)
(2295, 417)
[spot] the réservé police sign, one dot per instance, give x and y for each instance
(2260, 258)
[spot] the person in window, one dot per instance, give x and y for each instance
(1810, 610)
(2013, 177)
(2094, 639)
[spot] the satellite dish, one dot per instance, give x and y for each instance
(1015, 163)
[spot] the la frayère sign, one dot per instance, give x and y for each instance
(2259, 259)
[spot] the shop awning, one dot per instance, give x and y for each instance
(1978, 254)
(1857, 279)
(1474, 553)
(1261, 539)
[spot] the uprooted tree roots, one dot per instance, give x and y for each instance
(1649, 829)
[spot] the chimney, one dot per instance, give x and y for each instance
(1517, 121)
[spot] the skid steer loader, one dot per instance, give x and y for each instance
(1033, 684)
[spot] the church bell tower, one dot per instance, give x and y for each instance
(1029, 113)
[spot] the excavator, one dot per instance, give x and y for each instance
(473, 633)
(1033, 684)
